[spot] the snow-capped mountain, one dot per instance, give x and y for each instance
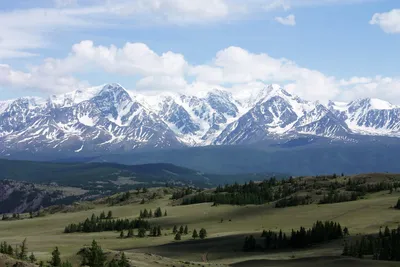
(369, 116)
(109, 118)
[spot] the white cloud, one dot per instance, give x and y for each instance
(45, 83)
(389, 21)
(24, 30)
(233, 68)
(65, 3)
(386, 88)
(131, 59)
(290, 20)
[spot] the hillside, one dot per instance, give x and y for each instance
(307, 156)
(82, 174)
(227, 226)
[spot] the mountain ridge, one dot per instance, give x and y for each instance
(110, 118)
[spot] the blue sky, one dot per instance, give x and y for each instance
(320, 50)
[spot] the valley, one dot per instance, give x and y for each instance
(226, 225)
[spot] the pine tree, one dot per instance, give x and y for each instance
(195, 235)
(10, 250)
(181, 230)
(186, 231)
(32, 258)
(123, 262)
(142, 202)
(158, 213)
(55, 258)
(145, 213)
(94, 257)
(41, 264)
(165, 213)
(159, 231)
(178, 236)
(109, 215)
(175, 230)
(203, 233)
(150, 214)
(122, 235)
(23, 252)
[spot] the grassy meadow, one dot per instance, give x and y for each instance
(226, 227)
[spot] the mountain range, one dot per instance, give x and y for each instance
(111, 119)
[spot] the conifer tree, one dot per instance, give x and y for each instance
(165, 213)
(158, 213)
(23, 251)
(175, 230)
(195, 235)
(178, 236)
(94, 256)
(123, 262)
(10, 250)
(159, 231)
(55, 258)
(109, 215)
(186, 231)
(203, 233)
(32, 258)
(181, 230)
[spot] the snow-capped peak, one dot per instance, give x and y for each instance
(109, 116)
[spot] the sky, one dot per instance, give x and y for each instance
(321, 50)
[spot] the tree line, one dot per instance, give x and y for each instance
(384, 246)
(153, 231)
(202, 234)
(181, 193)
(302, 238)
(149, 213)
(248, 193)
(96, 224)
(293, 201)
(337, 197)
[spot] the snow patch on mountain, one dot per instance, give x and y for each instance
(110, 118)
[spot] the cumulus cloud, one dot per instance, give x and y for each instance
(232, 68)
(290, 20)
(389, 21)
(38, 81)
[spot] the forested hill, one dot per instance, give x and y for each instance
(84, 175)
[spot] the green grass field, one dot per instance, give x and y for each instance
(225, 239)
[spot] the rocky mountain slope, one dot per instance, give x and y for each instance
(111, 119)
